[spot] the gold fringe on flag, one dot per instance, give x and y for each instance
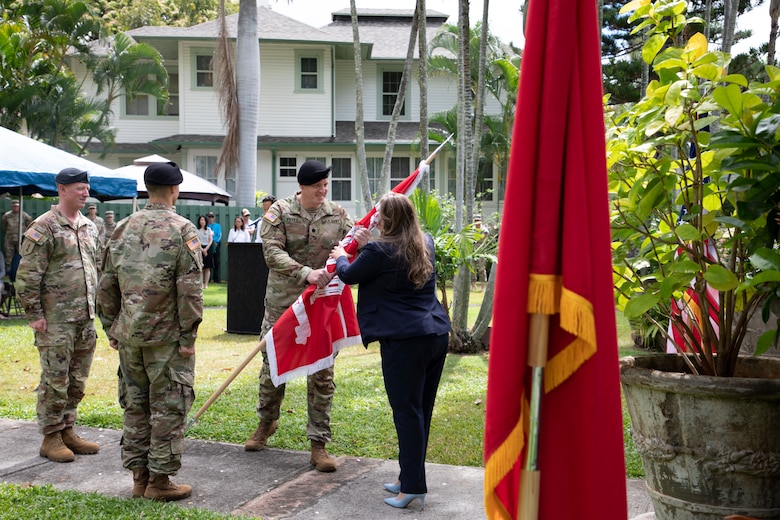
(546, 295)
(501, 462)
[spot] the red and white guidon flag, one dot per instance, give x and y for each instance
(305, 339)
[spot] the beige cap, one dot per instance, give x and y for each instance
(245, 213)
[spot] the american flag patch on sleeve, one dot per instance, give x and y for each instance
(270, 217)
(193, 243)
(33, 234)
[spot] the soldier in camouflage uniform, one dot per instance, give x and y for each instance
(298, 233)
(150, 302)
(56, 283)
(11, 231)
(110, 226)
(101, 226)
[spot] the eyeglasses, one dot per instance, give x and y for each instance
(211, 216)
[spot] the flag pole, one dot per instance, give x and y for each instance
(224, 385)
(431, 157)
(538, 333)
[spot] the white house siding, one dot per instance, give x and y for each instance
(442, 92)
(199, 107)
(283, 111)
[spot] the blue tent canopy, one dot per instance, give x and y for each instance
(28, 166)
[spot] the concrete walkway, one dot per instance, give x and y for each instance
(272, 484)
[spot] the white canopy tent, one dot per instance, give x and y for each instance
(193, 187)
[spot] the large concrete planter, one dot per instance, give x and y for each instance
(710, 446)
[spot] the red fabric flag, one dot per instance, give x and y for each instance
(321, 322)
(554, 258)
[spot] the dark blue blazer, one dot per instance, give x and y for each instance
(388, 304)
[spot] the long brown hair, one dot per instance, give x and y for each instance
(398, 225)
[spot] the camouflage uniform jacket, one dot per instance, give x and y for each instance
(150, 288)
(57, 277)
(295, 243)
(109, 229)
(11, 224)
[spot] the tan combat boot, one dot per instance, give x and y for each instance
(259, 439)
(161, 488)
(140, 480)
(53, 449)
(77, 444)
(320, 458)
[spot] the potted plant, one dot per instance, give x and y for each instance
(693, 168)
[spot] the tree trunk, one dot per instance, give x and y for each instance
(485, 314)
(730, 8)
(466, 177)
(422, 80)
(774, 11)
(360, 141)
(248, 86)
(384, 178)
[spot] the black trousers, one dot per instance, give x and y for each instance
(215, 270)
(412, 369)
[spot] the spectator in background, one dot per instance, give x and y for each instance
(11, 231)
(206, 238)
(110, 226)
(216, 228)
(98, 221)
(247, 216)
(239, 232)
(268, 200)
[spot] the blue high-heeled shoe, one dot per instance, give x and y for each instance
(393, 488)
(405, 501)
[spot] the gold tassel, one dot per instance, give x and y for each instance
(544, 293)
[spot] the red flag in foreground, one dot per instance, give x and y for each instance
(321, 321)
(554, 258)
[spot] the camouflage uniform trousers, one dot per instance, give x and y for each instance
(319, 397)
(66, 351)
(156, 393)
(10, 248)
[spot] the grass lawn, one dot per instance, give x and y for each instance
(361, 417)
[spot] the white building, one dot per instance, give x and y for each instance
(307, 102)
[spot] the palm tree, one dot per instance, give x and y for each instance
(362, 166)
(384, 177)
(130, 69)
(240, 99)
(422, 80)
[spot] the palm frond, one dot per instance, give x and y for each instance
(224, 72)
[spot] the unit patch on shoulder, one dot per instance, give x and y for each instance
(193, 243)
(33, 234)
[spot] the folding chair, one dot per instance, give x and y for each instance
(10, 305)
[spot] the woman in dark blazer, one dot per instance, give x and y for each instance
(397, 306)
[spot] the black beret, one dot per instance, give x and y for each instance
(71, 175)
(312, 172)
(163, 174)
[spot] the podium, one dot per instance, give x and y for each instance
(247, 278)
